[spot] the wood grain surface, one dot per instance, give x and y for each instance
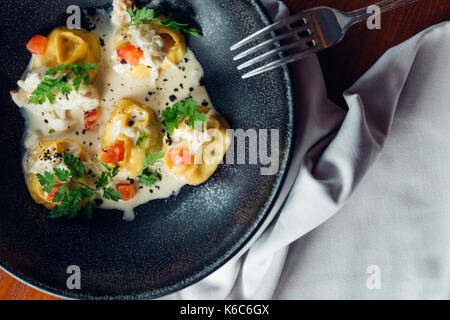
(341, 65)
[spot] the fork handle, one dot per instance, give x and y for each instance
(385, 6)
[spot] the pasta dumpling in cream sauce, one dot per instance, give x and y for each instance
(138, 128)
(94, 104)
(63, 47)
(46, 156)
(66, 46)
(143, 51)
(195, 153)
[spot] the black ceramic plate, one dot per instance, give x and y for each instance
(172, 243)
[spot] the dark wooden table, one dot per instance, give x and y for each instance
(341, 65)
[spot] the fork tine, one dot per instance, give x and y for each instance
(276, 25)
(271, 41)
(281, 62)
(271, 53)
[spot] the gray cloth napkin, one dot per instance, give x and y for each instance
(390, 234)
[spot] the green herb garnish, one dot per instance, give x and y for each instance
(72, 78)
(143, 137)
(148, 176)
(71, 200)
(150, 16)
(172, 116)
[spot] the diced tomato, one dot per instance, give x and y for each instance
(112, 154)
(51, 195)
(90, 119)
(126, 190)
(37, 45)
(130, 54)
(180, 155)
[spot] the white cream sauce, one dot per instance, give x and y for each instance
(173, 85)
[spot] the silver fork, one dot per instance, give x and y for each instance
(317, 29)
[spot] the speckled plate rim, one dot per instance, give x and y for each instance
(274, 204)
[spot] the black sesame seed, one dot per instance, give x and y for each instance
(173, 98)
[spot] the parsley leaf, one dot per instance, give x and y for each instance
(103, 180)
(149, 177)
(47, 181)
(70, 203)
(62, 192)
(172, 116)
(111, 194)
(153, 158)
(75, 166)
(137, 15)
(90, 66)
(47, 88)
(63, 175)
(150, 16)
(69, 199)
(88, 209)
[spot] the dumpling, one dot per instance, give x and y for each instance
(145, 50)
(195, 154)
(63, 46)
(67, 46)
(132, 130)
(46, 156)
(65, 112)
